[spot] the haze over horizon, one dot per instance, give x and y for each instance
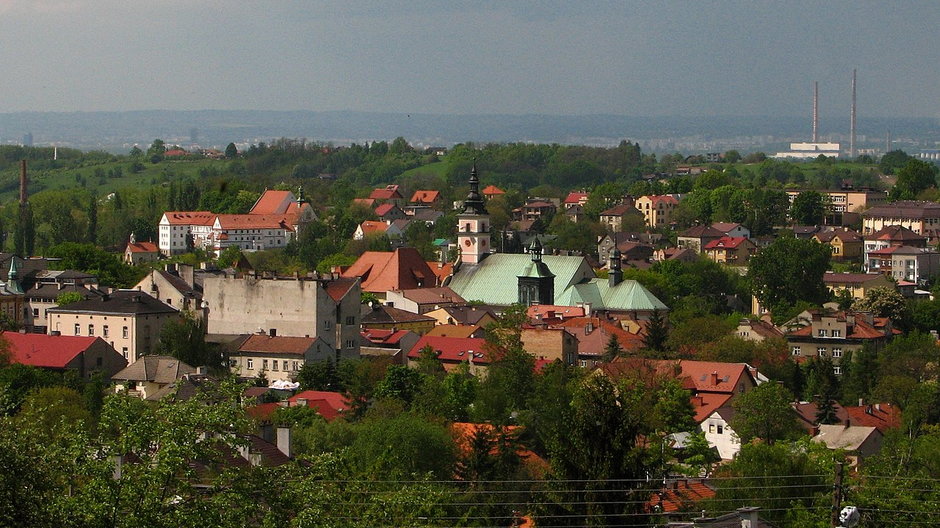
(551, 58)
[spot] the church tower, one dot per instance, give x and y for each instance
(537, 282)
(473, 225)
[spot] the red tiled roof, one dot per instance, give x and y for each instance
(205, 218)
(896, 233)
(657, 199)
(372, 226)
(453, 349)
(143, 247)
(594, 342)
(338, 288)
(845, 235)
(843, 278)
(277, 344)
(726, 242)
(40, 350)
(706, 403)
(330, 405)
(425, 197)
(884, 416)
(271, 202)
(548, 311)
(576, 197)
(381, 271)
(492, 190)
(619, 210)
(680, 494)
(383, 209)
(702, 376)
(175, 153)
(385, 194)
(380, 336)
(724, 227)
(252, 221)
(366, 202)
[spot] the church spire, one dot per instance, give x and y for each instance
(474, 202)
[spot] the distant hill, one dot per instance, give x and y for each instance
(118, 131)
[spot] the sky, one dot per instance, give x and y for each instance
(662, 58)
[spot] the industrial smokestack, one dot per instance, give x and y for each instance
(852, 126)
(23, 194)
(815, 111)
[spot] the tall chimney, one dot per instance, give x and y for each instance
(815, 111)
(23, 194)
(852, 126)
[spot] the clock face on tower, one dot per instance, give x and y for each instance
(468, 243)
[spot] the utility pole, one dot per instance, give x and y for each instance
(837, 495)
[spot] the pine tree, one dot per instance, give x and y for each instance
(656, 332)
(92, 232)
(613, 349)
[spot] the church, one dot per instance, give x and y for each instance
(502, 278)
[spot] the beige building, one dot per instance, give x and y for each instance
(324, 307)
(848, 200)
(857, 284)
(279, 357)
(129, 320)
(833, 334)
(551, 344)
(149, 375)
(923, 218)
(657, 209)
(174, 286)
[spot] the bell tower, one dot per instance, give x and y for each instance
(473, 225)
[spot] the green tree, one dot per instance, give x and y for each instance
(657, 332)
(67, 298)
(185, 339)
(893, 161)
(231, 151)
(400, 382)
(789, 270)
(809, 208)
(613, 349)
(885, 302)
(91, 233)
(764, 412)
(913, 178)
(319, 375)
(405, 447)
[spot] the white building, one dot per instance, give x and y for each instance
(810, 151)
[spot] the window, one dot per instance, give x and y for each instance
(327, 324)
(837, 370)
(836, 352)
(35, 312)
(295, 367)
(821, 351)
(104, 331)
(837, 333)
(125, 333)
(91, 329)
(822, 333)
(711, 428)
(721, 429)
(350, 343)
(273, 365)
(251, 364)
(796, 351)
(264, 364)
(78, 329)
(350, 320)
(124, 352)
(284, 366)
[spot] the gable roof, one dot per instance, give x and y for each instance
(896, 233)
(576, 197)
(382, 314)
(593, 334)
(469, 315)
(251, 221)
(492, 190)
(369, 227)
(442, 294)
(204, 218)
(381, 271)
(388, 193)
(908, 209)
(727, 242)
(41, 350)
(385, 208)
(620, 210)
(425, 197)
(263, 343)
(831, 277)
(272, 202)
(330, 405)
(725, 227)
(493, 280)
(453, 349)
(338, 288)
(158, 369)
(381, 336)
(843, 234)
(143, 247)
(848, 437)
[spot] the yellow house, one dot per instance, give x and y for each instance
(857, 284)
(845, 243)
(657, 209)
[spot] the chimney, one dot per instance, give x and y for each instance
(714, 378)
(861, 401)
(749, 517)
(284, 441)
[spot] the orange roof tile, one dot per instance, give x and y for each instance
(277, 344)
(425, 197)
(205, 218)
(244, 221)
(143, 247)
(381, 271)
(492, 190)
(370, 227)
(272, 202)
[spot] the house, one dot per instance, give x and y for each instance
(474, 315)
(42, 291)
(370, 228)
(452, 351)
(858, 440)
(904, 263)
(620, 216)
(805, 232)
(845, 243)
(178, 230)
(575, 213)
(278, 357)
(657, 209)
(857, 284)
(139, 252)
(733, 251)
(389, 194)
(822, 333)
(893, 236)
(623, 241)
(388, 212)
(129, 320)
(535, 209)
(491, 191)
(719, 434)
(383, 271)
(146, 376)
(680, 254)
(732, 229)
(551, 344)
(757, 330)
(743, 517)
(847, 199)
(84, 355)
(593, 335)
(422, 300)
(329, 405)
(578, 198)
(380, 316)
(311, 306)
(426, 198)
(174, 285)
(381, 343)
(697, 237)
(883, 416)
(923, 218)
(678, 496)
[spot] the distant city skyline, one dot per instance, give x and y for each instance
(480, 57)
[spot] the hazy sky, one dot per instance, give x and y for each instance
(471, 57)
